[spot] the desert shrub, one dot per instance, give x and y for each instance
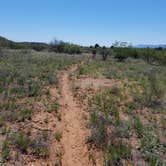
(63, 47)
(38, 47)
(124, 53)
(153, 56)
(120, 56)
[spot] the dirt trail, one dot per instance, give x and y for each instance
(74, 134)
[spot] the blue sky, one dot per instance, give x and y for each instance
(84, 21)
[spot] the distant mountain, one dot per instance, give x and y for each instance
(150, 45)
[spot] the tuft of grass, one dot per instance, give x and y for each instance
(58, 136)
(138, 126)
(33, 88)
(52, 79)
(21, 141)
(123, 130)
(59, 116)
(24, 114)
(40, 148)
(5, 153)
(55, 107)
(2, 121)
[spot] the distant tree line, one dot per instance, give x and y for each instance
(56, 46)
(120, 50)
(123, 50)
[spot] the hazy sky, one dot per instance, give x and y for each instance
(84, 21)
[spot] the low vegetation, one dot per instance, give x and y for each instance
(25, 76)
(126, 121)
(132, 111)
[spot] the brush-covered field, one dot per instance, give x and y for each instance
(124, 104)
(28, 104)
(127, 106)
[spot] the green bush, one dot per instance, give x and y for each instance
(124, 53)
(63, 47)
